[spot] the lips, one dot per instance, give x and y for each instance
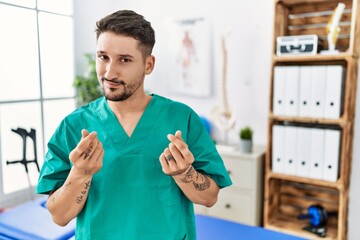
(112, 83)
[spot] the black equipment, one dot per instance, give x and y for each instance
(24, 161)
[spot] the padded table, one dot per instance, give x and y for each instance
(32, 221)
(210, 228)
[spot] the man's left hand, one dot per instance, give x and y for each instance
(177, 158)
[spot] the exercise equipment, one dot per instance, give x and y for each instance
(318, 217)
(24, 134)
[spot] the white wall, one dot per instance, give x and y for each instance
(249, 56)
(249, 63)
(86, 13)
(354, 198)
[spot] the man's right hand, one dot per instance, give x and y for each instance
(87, 157)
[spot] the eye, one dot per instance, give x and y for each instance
(103, 57)
(125, 60)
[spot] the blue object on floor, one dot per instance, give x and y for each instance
(32, 221)
(210, 228)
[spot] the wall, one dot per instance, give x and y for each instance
(86, 13)
(249, 63)
(248, 70)
(354, 199)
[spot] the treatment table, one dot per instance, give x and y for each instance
(32, 221)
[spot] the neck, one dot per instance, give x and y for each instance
(136, 103)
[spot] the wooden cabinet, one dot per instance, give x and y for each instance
(241, 202)
(288, 195)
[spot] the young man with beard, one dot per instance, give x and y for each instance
(130, 165)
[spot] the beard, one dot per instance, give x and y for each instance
(117, 95)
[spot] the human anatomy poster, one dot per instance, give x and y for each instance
(190, 56)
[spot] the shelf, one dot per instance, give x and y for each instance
(287, 196)
(312, 58)
(297, 2)
(341, 121)
(318, 182)
(293, 226)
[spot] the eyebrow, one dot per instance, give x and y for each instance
(120, 55)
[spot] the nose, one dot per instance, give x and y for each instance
(111, 71)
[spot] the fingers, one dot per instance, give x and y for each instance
(84, 133)
(181, 146)
(98, 150)
(86, 147)
(176, 158)
(174, 152)
(171, 167)
(178, 134)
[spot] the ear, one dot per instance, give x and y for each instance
(149, 64)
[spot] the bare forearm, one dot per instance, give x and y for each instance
(198, 187)
(67, 202)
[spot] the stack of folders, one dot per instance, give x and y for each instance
(306, 151)
(308, 91)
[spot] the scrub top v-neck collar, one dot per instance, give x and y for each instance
(116, 132)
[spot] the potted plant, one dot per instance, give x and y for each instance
(246, 135)
(87, 85)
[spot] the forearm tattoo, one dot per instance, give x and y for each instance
(201, 182)
(188, 175)
(58, 192)
(82, 196)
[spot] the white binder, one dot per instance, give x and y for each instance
(303, 152)
(318, 84)
(290, 150)
(331, 155)
(278, 148)
(304, 92)
(279, 90)
(317, 153)
(333, 92)
(292, 91)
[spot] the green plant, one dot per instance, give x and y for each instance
(87, 85)
(246, 133)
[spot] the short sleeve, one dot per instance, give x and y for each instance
(207, 159)
(56, 165)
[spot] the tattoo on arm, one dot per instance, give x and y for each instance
(83, 192)
(188, 175)
(58, 192)
(201, 182)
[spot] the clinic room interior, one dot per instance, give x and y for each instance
(274, 83)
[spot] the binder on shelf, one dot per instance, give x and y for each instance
(318, 84)
(303, 152)
(279, 90)
(334, 91)
(291, 91)
(331, 155)
(278, 150)
(290, 150)
(317, 153)
(304, 93)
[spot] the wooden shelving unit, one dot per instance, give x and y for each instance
(287, 196)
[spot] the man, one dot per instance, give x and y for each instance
(130, 165)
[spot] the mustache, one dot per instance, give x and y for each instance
(113, 80)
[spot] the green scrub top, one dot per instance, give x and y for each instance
(130, 198)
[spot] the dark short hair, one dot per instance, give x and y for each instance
(130, 24)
